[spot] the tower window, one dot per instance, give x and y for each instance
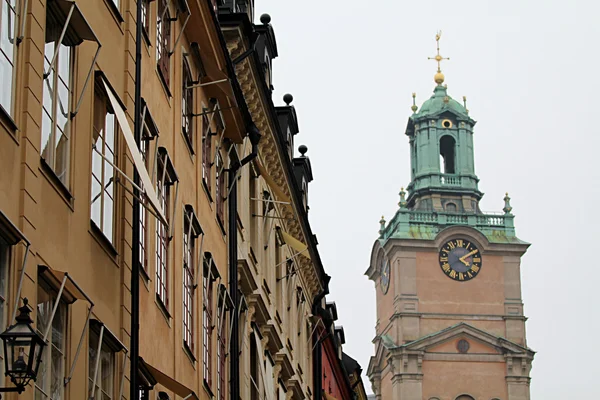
(447, 154)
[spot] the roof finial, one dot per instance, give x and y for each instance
(402, 202)
(381, 225)
(465, 103)
(439, 77)
(507, 207)
(414, 107)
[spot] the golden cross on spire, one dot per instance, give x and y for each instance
(439, 77)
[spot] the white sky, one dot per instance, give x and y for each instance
(530, 70)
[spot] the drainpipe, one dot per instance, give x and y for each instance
(234, 360)
(317, 352)
(135, 231)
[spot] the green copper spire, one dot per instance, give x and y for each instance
(444, 187)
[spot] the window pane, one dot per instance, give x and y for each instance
(46, 129)
(97, 202)
(61, 162)
(6, 79)
(57, 374)
(107, 227)
(110, 132)
(62, 106)
(64, 64)
(8, 27)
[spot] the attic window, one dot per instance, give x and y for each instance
(447, 154)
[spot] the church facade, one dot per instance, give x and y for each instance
(450, 321)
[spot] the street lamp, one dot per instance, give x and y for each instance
(23, 349)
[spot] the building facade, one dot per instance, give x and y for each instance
(450, 320)
(210, 133)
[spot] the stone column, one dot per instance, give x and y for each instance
(517, 376)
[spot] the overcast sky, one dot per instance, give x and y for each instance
(530, 71)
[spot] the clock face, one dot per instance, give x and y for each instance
(385, 275)
(460, 259)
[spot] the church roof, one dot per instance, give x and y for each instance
(440, 102)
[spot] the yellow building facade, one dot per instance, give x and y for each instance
(68, 155)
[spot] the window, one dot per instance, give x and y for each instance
(221, 354)
(144, 147)
(447, 155)
(254, 370)
(207, 319)
(105, 375)
(162, 234)
(56, 105)
(116, 3)
(145, 5)
(206, 152)
(465, 397)
(8, 29)
(4, 266)
(220, 192)
(149, 132)
(103, 156)
(50, 379)
(187, 105)
(191, 230)
(163, 39)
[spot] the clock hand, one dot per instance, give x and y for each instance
(462, 259)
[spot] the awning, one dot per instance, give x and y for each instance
(280, 194)
(214, 74)
(294, 243)
(66, 12)
(147, 185)
(169, 383)
(10, 233)
(71, 291)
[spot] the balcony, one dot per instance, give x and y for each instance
(450, 180)
(409, 224)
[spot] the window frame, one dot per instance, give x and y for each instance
(63, 309)
(104, 349)
(102, 105)
(187, 105)
(149, 133)
(220, 192)
(59, 115)
(5, 261)
(209, 276)
(166, 178)
(191, 231)
(163, 41)
(10, 59)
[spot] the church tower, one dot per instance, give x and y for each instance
(450, 322)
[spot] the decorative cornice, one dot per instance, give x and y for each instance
(269, 153)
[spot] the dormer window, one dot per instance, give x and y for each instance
(267, 66)
(304, 194)
(290, 143)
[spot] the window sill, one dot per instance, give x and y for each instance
(144, 274)
(163, 308)
(189, 144)
(163, 81)
(115, 12)
(146, 37)
(9, 123)
(189, 353)
(207, 389)
(103, 241)
(56, 183)
(222, 226)
(207, 190)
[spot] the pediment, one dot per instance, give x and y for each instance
(481, 341)
(383, 345)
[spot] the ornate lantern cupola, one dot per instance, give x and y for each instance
(441, 151)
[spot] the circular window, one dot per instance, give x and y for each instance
(447, 123)
(462, 346)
